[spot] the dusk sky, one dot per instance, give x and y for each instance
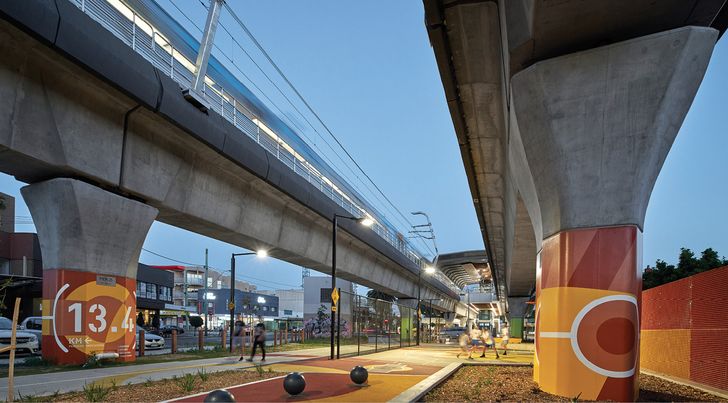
(368, 70)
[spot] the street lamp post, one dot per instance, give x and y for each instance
(428, 270)
(365, 221)
(231, 303)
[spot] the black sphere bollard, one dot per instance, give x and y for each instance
(359, 375)
(219, 395)
(294, 383)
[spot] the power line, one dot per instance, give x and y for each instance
(274, 104)
(216, 269)
(171, 259)
(318, 118)
(406, 222)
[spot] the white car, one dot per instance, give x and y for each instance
(24, 341)
(151, 341)
(34, 325)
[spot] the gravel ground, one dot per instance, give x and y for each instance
(491, 383)
(155, 391)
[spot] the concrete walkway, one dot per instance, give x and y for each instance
(69, 381)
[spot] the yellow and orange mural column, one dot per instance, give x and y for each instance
(88, 314)
(587, 313)
(90, 240)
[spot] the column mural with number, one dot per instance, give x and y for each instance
(90, 240)
(89, 314)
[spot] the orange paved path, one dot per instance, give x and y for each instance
(390, 373)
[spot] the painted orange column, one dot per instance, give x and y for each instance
(90, 240)
(587, 313)
(90, 313)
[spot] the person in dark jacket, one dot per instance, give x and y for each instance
(258, 340)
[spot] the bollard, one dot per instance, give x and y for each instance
(200, 340)
(303, 337)
(275, 338)
(222, 337)
(280, 337)
(286, 337)
(141, 343)
(294, 383)
(174, 341)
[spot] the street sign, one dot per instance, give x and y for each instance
(231, 306)
(333, 308)
(335, 296)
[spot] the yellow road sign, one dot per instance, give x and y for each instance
(335, 296)
(231, 306)
(333, 308)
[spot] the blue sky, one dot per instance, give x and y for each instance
(369, 71)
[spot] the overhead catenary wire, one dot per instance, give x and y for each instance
(398, 215)
(308, 106)
(282, 113)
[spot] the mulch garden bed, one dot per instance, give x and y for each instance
(155, 391)
(499, 383)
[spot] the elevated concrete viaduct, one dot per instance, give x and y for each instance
(565, 112)
(108, 144)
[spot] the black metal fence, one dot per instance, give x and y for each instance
(365, 325)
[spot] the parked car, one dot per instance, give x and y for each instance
(151, 341)
(34, 325)
(451, 333)
(166, 331)
(24, 341)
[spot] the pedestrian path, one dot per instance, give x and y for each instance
(70, 381)
(390, 373)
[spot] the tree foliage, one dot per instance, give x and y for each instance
(195, 321)
(687, 265)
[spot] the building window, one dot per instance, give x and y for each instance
(288, 312)
(165, 293)
(265, 309)
(146, 290)
(326, 295)
(272, 309)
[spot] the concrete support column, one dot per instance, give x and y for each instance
(90, 241)
(593, 129)
(516, 311)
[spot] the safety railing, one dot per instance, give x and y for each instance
(145, 39)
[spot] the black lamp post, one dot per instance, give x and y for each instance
(365, 221)
(231, 303)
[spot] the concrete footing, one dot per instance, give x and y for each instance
(90, 241)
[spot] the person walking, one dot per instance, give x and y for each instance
(475, 338)
(488, 340)
(258, 340)
(464, 342)
(505, 338)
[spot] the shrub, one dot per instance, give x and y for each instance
(95, 392)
